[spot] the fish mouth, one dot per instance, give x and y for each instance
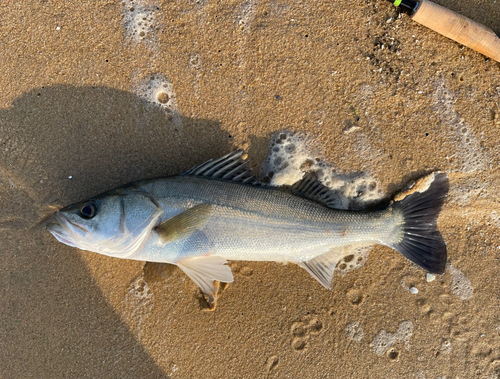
(64, 230)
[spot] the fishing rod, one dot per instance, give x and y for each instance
(453, 25)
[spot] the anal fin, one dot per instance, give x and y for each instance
(204, 270)
(321, 268)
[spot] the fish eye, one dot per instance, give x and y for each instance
(88, 210)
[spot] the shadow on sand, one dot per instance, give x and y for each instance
(55, 321)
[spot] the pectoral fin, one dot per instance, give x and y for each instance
(185, 224)
(321, 268)
(204, 270)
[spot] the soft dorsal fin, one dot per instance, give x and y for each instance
(184, 224)
(230, 167)
(321, 268)
(204, 270)
(311, 188)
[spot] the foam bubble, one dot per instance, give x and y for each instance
(291, 155)
(158, 91)
(139, 21)
(353, 258)
(460, 284)
(384, 341)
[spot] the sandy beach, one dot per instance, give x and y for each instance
(96, 94)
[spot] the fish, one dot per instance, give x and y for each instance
(218, 212)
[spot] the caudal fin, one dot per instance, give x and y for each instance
(422, 243)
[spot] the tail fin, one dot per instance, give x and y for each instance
(422, 243)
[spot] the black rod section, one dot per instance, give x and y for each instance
(408, 6)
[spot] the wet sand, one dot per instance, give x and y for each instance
(373, 92)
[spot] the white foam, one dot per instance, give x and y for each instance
(159, 92)
(291, 155)
(246, 15)
(384, 341)
(354, 331)
(445, 347)
(495, 218)
(460, 284)
(464, 193)
(195, 61)
(137, 304)
(139, 21)
(354, 257)
(140, 290)
(468, 151)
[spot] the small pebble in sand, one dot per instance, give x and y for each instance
(70, 177)
(413, 290)
(430, 277)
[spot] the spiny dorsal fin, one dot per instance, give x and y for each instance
(230, 167)
(311, 188)
(204, 270)
(321, 268)
(185, 223)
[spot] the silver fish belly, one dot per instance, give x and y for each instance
(217, 212)
(260, 224)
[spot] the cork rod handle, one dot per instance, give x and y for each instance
(458, 28)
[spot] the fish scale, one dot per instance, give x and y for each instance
(217, 211)
(242, 228)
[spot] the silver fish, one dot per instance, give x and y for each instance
(218, 211)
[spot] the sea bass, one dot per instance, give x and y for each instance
(218, 211)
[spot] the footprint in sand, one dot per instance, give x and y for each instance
(302, 331)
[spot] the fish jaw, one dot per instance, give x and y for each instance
(65, 231)
(75, 234)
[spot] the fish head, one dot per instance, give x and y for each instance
(115, 223)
